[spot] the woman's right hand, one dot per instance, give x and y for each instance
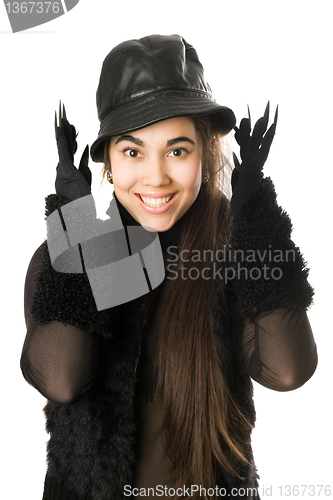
(71, 183)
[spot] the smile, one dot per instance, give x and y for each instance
(156, 204)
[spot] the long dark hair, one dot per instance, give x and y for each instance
(199, 410)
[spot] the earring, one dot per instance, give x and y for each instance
(109, 177)
(206, 178)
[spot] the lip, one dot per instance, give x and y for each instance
(155, 210)
(155, 195)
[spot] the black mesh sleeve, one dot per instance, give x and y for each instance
(58, 359)
(279, 348)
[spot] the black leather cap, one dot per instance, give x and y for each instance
(151, 79)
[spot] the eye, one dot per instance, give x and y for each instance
(178, 152)
(133, 153)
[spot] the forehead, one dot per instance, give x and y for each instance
(165, 129)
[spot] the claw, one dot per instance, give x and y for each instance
(276, 115)
(266, 115)
(249, 114)
(236, 161)
(56, 126)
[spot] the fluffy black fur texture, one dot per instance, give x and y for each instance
(264, 226)
(91, 446)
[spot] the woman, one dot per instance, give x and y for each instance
(153, 397)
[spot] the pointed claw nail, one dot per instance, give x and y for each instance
(56, 125)
(249, 114)
(276, 115)
(236, 161)
(64, 112)
(266, 114)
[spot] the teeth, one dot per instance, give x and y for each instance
(155, 202)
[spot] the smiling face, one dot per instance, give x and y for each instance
(157, 171)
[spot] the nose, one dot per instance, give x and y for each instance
(155, 173)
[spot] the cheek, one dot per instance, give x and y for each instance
(191, 177)
(122, 180)
(122, 177)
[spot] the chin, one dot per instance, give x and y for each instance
(159, 227)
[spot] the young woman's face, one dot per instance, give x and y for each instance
(157, 171)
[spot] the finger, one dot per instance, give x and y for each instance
(266, 114)
(60, 114)
(70, 133)
(74, 136)
(245, 127)
(258, 133)
(234, 179)
(236, 161)
(262, 155)
(56, 126)
(235, 172)
(64, 112)
(248, 111)
(242, 135)
(66, 126)
(83, 167)
(276, 116)
(64, 152)
(261, 126)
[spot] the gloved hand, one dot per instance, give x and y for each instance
(71, 183)
(246, 176)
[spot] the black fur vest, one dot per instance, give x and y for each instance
(91, 446)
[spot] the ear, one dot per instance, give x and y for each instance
(213, 146)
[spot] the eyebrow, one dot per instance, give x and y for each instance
(138, 142)
(130, 138)
(180, 139)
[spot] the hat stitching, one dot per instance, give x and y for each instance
(184, 104)
(181, 91)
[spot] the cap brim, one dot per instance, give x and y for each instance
(155, 107)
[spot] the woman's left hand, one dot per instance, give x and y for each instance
(254, 150)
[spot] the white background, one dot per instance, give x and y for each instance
(252, 51)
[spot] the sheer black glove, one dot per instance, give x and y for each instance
(246, 176)
(71, 183)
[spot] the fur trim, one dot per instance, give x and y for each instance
(91, 448)
(66, 297)
(53, 202)
(261, 239)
